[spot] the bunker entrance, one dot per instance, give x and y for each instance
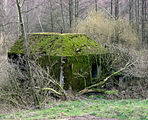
(95, 71)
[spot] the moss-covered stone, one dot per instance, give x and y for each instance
(56, 44)
(79, 52)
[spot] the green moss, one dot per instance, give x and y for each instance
(79, 52)
(52, 63)
(77, 69)
(17, 48)
(77, 72)
(67, 44)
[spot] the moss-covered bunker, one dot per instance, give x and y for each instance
(83, 60)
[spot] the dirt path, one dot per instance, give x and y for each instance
(87, 117)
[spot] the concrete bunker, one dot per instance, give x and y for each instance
(76, 60)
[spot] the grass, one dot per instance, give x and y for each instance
(120, 109)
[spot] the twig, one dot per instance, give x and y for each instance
(102, 82)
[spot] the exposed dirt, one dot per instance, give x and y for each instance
(87, 117)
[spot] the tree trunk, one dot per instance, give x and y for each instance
(5, 6)
(145, 10)
(62, 13)
(21, 23)
(96, 5)
(76, 11)
(116, 9)
(143, 23)
(27, 18)
(77, 8)
(51, 17)
(136, 16)
(70, 12)
(138, 12)
(111, 7)
(40, 23)
(131, 12)
(23, 35)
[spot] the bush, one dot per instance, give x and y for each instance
(18, 91)
(122, 41)
(106, 30)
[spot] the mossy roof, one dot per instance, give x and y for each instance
(56, 44)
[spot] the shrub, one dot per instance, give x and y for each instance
(106, 30)
(17, 90)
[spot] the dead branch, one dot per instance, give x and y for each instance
(87, 89)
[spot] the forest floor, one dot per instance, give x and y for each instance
(92, 108)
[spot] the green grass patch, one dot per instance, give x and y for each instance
(120, 109)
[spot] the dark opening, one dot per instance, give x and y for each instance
(95, 71)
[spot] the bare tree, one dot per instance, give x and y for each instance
(111, 7)
(116, 9)
(76, 10)
(70, 13)
(131, 11)
(23, 35)
(96, 5)
(51, 15)
(143, 22)
(62, 13)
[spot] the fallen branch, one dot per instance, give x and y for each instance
(87, 89)
(54, 91)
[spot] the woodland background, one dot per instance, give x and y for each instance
(121, 25)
